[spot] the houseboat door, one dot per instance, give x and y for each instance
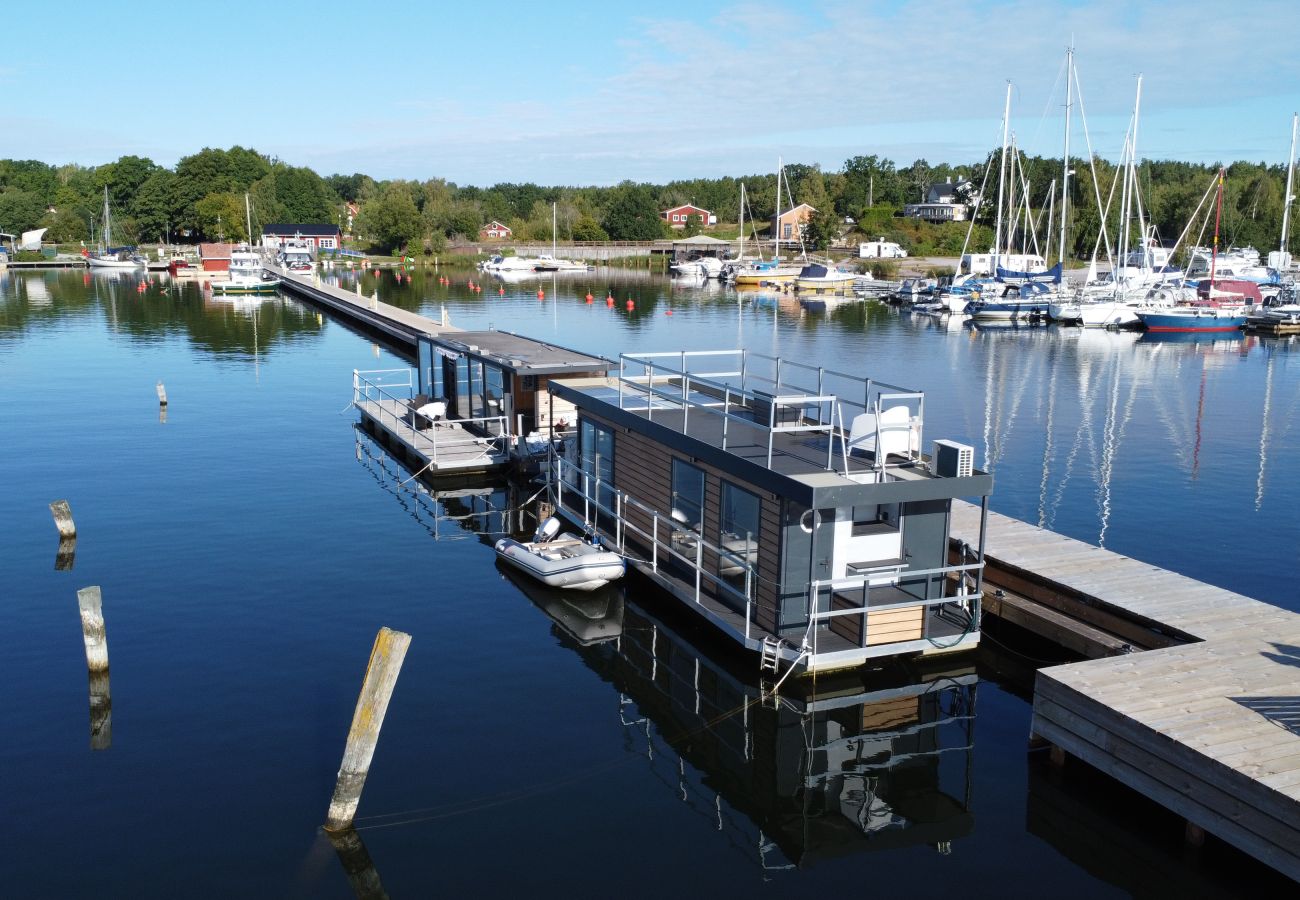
(925, 545)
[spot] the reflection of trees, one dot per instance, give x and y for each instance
(225, 327)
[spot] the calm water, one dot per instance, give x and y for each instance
(250, 545)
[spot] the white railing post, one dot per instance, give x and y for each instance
(618, 520)
(654, 547)
(699, 564)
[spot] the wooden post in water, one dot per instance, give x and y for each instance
(381, 677)
(63, 520)
(360, 868)
(162, 395)
(90, 603)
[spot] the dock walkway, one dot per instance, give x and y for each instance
(396, 324)
(1209, 728)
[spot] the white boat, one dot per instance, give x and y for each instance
(110, 257)
(703, 267)
(508, 264)
(817, 277)
(562, 560)
(246, 275)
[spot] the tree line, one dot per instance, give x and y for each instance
(202, 198)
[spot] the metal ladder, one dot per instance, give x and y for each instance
(770, 652)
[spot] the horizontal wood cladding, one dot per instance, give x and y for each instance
(643, 471)
(884, 627)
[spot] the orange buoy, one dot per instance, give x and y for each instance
(630, 304)
(588, 296)
(501, 292)
(541, 294)
(668, 312)
(609, 301)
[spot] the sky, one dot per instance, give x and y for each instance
(571, 93)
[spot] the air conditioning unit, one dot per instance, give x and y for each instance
(952, 460)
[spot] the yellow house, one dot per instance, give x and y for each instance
(790, 225)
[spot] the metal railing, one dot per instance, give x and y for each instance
(769, 395)
(967, 599)
(581, 493)
(397, 387)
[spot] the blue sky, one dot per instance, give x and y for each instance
(587, 93)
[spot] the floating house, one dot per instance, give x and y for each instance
(789, 505)
(477, 400)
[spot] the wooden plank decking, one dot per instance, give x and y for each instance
(1209, 728)
(445, 447)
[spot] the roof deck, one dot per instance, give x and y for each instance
(522, 355)
(817, 430)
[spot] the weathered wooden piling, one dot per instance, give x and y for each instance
(90, 603)
(360, 868)
(385, 664)
(162, 394)
(63, 520)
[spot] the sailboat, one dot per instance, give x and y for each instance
(108, 256)
(551, 262)
(247, 275)
(1219, 311)
(773, 272)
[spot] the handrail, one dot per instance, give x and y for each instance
(590, 491)
(367, 390)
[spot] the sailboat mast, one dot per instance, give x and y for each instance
(248, 218)
(553, 238)
(1214, 252)
(777, 226)
(1065, 164)
(1002, 177)
(1290, 178)
(741, 254)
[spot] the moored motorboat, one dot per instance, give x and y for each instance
(562, 560)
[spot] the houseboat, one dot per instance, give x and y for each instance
(789, 505)
(471, 404)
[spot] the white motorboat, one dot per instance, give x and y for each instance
(562, 560)
(817, 277)
(246, 275)
(703, 267)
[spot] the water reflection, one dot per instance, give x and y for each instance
(839, 767)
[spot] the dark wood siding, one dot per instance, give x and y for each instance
(643, 470)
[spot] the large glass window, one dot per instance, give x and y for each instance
(688, 495)
(596, 460)
(738, 534)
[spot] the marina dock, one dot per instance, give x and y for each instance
(1207, 725)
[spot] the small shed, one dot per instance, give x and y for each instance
(215, 257)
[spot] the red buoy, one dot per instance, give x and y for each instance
(501, 292)
(668, 312)
(541, 294)
(609, 301)
(630, 304)
(588, 296)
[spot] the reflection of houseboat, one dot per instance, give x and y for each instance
(787, 504)
(472, 402)
(855, 766)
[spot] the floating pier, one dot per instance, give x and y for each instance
(1207, 723)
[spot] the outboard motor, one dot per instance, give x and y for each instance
(546, 531)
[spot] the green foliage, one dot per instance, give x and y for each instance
(20, 210)
(391, 219)
(154, 205)
(588, 229)
(822, 228)
(221, 217)
(632, 214)
(694, 225)
(66, 227)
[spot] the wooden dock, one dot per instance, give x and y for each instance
(1207, 725)
(396, 325)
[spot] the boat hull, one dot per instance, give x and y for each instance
(97, 262)
(1205, 322)
(568, 563)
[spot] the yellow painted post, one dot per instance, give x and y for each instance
(381, 677)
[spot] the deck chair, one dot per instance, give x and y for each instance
(895, 433)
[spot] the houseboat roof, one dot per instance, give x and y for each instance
(802, 442)
(520, 354)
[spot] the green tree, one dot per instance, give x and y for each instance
(20, 211)
(822, 228)
(154, 205)
(391, 219)
(633, 214)
(66, 226)
(588, 229)
(220, 216)
(694, 225)
(123, 179)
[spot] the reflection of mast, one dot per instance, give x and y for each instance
(1047, 444)
(1200, 409)
(1263, 432)
(1112, 434)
